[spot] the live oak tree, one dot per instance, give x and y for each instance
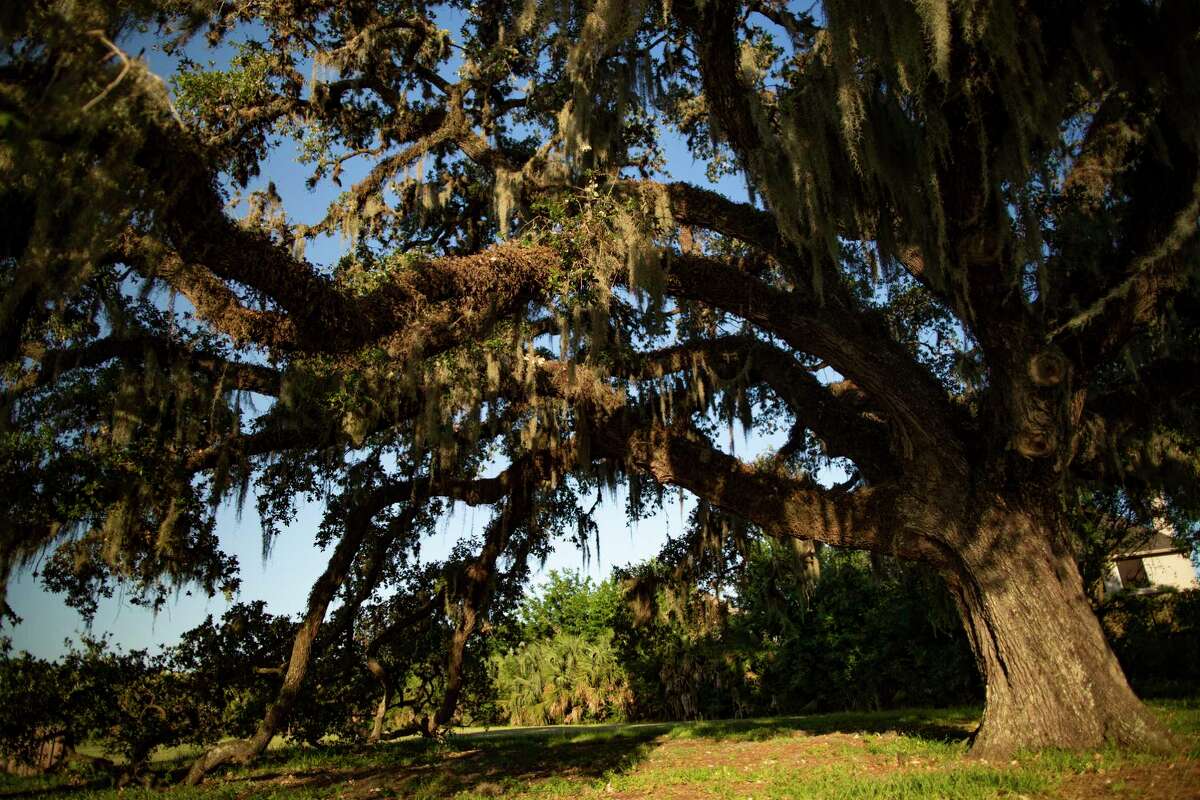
(967, 274)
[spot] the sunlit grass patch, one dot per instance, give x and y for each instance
(905, 748)
(830, 782)
(963, 782)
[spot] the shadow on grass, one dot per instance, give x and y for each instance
(506, 760)
(409, 768)
(942, 725)
(503, 760)
(478, 764)
(35, 787)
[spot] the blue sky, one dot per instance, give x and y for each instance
(284, 580)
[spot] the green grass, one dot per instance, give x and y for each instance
(899, 755)
(836, 783)
(1183, 717)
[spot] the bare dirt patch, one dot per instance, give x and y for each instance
(1178, 780)
(798, 749)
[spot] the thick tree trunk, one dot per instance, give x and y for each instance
(1051, 678)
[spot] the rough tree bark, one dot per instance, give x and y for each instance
(1051, 678)
(385, 702)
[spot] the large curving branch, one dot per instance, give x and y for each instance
(875, 518)
(215, 302)
(134, 350)
(858, 346)
(205, 254)
(838, 413)
(703, 208)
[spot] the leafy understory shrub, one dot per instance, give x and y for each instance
(1157, 640)
(565, 679)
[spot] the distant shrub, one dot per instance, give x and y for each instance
(33, 712)
(869, 634)
(215, 683)
(130, 702)
(866, 634)
(555, 662)
(1157, 639)
(863, 635)
(566, 678)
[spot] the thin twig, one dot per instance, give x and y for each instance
(99, 34)
(127, 65)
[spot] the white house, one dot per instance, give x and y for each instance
(1158, 564)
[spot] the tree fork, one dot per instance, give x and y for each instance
(377, 668)
(480, 582)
